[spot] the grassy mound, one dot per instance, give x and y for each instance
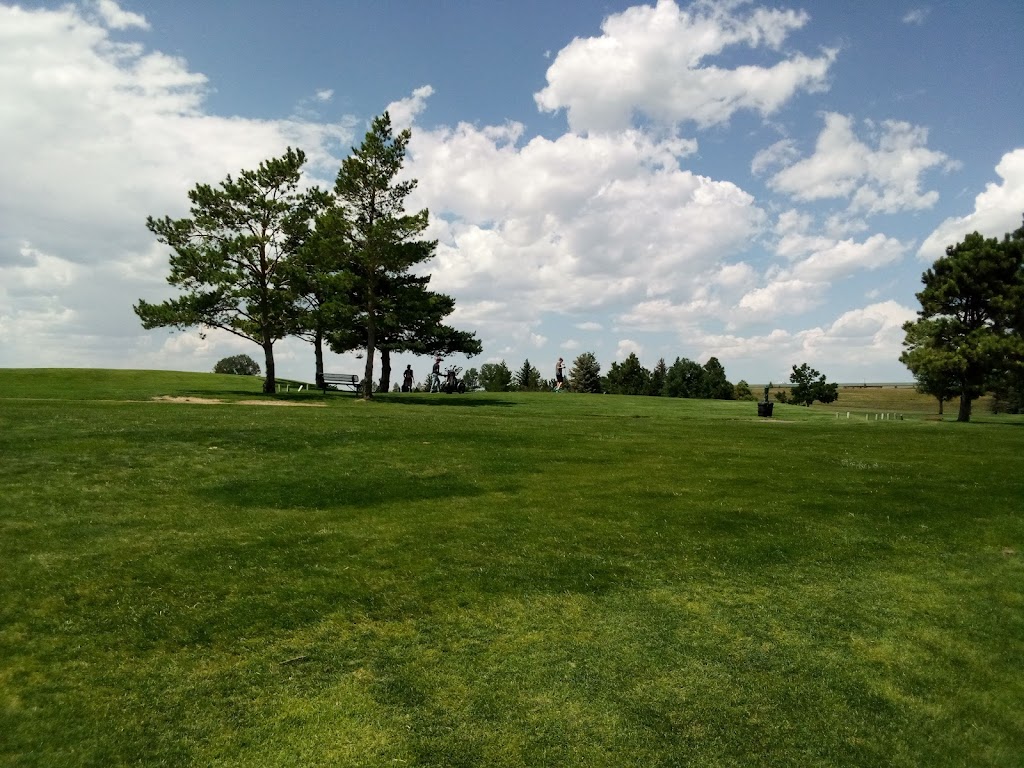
(506, 580)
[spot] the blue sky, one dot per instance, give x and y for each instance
(757, 182)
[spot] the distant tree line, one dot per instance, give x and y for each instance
(684, 378)
(263, 259)
(969, 335)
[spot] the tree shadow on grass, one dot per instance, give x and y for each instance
(215, 393)
(355, 490)
(998, 423)
(457, 401)
(309, 395)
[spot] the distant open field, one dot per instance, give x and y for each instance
(877, 398)
(190, 577)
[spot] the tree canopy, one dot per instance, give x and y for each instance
(629, 377)
(970, 328)
(585, 375)
(324, 285)
(715, 385)
(239, 365)
(232, 257)
(684, 378)
(527, 378)
(495, 377)
(810, 385)
(931, 360)
(392, 308)
(656, 385)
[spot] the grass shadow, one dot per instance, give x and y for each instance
(311, 394)
(457, 401)
(214, 394)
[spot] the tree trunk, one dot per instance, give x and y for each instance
(965, 406)
(385, 370)
(269, 383)
(371, 340)
(318, 351)
(941, 401)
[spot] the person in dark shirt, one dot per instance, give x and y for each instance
(407, 379)
(559, 375)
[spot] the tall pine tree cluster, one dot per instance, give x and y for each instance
(262, 259)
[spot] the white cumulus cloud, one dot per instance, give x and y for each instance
(997, 210)
(655, 61)
(885, 178)
(575, 223)
(627, 347)
(116, 17)
(859, 345)
(95, 135)
(404, 111)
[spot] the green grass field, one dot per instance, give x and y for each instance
(500, 580)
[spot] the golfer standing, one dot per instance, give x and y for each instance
(559, 371)
(435, 376)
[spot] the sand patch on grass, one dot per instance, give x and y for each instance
(193, 400)
(214, 401)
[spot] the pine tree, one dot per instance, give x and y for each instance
(324, 283)
(527, 378)
(715, 385)
(383, 241)
(932, 361)
(685, 378)
(495, 377)
(742, 391)
(656, 386)
(970, 327)
(233, 257)
(810, 385)
(629, 378)
(585, 375)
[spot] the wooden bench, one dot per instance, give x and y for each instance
(349, 380)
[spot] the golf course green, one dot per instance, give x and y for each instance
(193, 573)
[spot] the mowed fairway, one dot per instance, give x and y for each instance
(500, 580)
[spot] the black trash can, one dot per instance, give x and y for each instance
(765, 409)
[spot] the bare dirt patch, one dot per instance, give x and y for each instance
(213, 401)
(193, 400)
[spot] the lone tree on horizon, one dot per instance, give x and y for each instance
(810, 385)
